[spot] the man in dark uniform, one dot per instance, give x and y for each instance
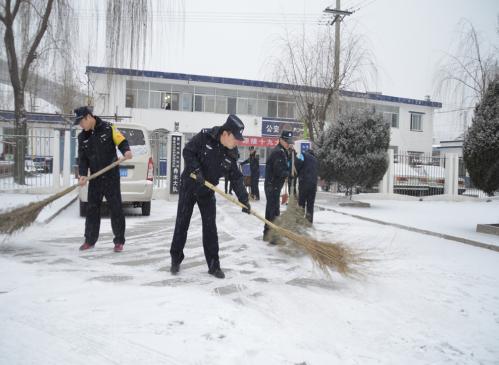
(97, 149)
(254, 162)
(276, 172)
(292, 171)
(209, 155)
(307, 167)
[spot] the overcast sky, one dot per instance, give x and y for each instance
(233, 38)
(407, 37)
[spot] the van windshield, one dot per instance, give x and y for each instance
(135, 137)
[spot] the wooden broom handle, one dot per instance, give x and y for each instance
(235, 201)
(106, 169)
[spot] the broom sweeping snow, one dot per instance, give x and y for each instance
(326, 255)
(23, 217)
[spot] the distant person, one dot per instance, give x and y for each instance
(254, 162)
(307, 167)
(276, 172)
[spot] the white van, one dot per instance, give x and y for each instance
(136, 174)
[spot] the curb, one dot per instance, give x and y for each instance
(417, 230)
(49, 219)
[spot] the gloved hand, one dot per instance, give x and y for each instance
(199, 176)
(246, 210)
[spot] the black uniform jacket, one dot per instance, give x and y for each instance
(205, 153)
(97, 147)
(276, 168)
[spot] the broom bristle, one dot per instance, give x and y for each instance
(293, 225)
(23, 217)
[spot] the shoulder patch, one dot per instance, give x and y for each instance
(118, 137)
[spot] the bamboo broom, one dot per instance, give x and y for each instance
(23, 217)
(326, 255)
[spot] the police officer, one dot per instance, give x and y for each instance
(276, 172)
(307, 167)
(254, 162)
(292, 177)
(210, 155)
(97, 149)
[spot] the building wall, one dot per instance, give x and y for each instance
(415, 141)
(403, 139)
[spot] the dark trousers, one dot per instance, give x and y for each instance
(107, 186)
(228, 186)
(292, 184)
(255, 191)
(207, 207)
(272, 209)
(306, 200)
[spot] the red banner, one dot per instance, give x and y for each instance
(259, 141)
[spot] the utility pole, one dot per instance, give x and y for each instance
(338, 16)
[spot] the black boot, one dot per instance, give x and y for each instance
(175, 268)
(215, 270)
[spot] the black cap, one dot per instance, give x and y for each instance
(81, 113)
(287, 136)
(234, 125)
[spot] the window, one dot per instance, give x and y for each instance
(282, 110)
(131, 98)
(252, 106)
(242, 106)
(221, 105)
(169, 101)
(198, 103)
(395, 120)
(186, 102)
(135, 137)
(272, 109)
(143, 99)
(209, 103)
(416, 122)
(155, 99)
(231, 105)
(262, 108)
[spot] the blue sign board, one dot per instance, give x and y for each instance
(273, 127)
(305, 146)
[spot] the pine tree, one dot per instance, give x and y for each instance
(481, 143)
(353, 151)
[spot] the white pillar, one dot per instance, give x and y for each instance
(175, 164)
(386, 184)
(451, 174)
(56, 161)
(66, 169)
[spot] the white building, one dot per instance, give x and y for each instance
(188, 103)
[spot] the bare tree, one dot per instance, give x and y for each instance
(29, 34)
(306, 63)
(464, 74)
(43, 33)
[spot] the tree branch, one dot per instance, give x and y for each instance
(39, 35)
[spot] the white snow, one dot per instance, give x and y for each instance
(425, 300)
(448, 217)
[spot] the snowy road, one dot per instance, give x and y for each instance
(426, 300)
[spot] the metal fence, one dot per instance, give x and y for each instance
(418, 174)
(159, 143)
(38, 163)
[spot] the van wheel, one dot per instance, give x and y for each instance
(83, 209)
(146, 208)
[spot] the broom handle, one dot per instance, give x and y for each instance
(235, 201)
(106, 169)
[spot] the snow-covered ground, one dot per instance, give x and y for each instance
(447, 217)
(425, 300)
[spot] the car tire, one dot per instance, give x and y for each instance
(83, 209)
(146, 209)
